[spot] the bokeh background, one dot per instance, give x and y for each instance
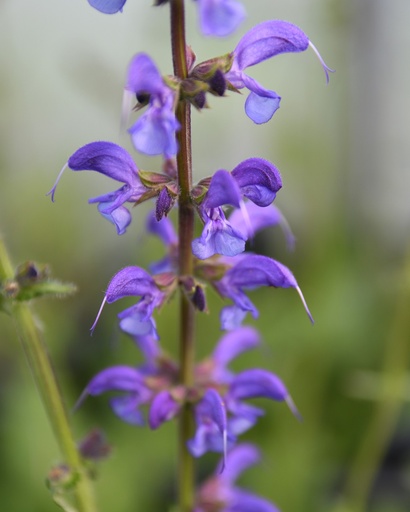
(343, 150)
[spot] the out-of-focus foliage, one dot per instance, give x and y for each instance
(342, 150)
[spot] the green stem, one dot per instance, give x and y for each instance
(40, 364)
(186, 213)
(388, 406)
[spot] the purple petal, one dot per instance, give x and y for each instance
(107, 6)
(211, 434)
(257, 383)
(127, 408)
(222, 190)
(254, 271)
(260, 217)
(144, 77)
(107, 158)
(258, 179)
(115, 378)
(218, 239)
(233, 344)
(154, 132)
(243, 501)
(266, 40)
(130, 281)
(163, 408)
(260, 109)
(120, 217)
(231, 317)
(220, 17)
(138, 323)
(240, 458)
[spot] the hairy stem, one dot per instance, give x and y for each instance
(186, 229)
(40, 364)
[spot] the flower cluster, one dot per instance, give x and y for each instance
(232, 206)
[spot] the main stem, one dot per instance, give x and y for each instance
(186, 230)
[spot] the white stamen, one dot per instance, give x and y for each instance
(326, 68)
(53, 190)
(304, 304)
(293, 408)
(98, 314)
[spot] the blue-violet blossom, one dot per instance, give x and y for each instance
(255, 179)
(249, 273)
(219, 492)
(115, 162)
(154, 133)
(262, 42)
(136, 320)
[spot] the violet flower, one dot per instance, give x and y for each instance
(154, 133)
(130, 382)
(115, 162)
(220, 17)
(222, 415)
(256, 179)
(251, 272)
(262, 42)
(217, 17)
(219, 491)
(136, 320)
(107, 6)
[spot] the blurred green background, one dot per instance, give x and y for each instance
(343, 151)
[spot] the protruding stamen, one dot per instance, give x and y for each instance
(98, 314)
(304, 304)
(291, 404)
(53, 190)
(325, 67)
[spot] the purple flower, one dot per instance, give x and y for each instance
(134, 391)
(217, 17)
(262, 42)
(154, 132)
(107, 6)
(222, 415)
(115, 162)
(220, 17)
(136, 320)
(220, 493)
(256, 179)
(164, 229)
(211, 432)
(251, 272)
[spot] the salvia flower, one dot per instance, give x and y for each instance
(229, 391)
(136, 320)
(217, 17)
(220, 494)
(251, 272)
(255, 179)
(220, 17)
(115, 162)
(262, 42)
(154, 133)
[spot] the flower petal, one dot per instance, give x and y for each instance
(258, 179)
(163, 408)
(222, 190)
(234, 343)
(132, 281)
(257, 383)
(220, 17)
(107, 6)
(266, 40)
(107, 158)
